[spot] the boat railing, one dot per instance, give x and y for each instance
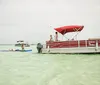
(70, 44)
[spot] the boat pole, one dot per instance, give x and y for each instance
(96, 45)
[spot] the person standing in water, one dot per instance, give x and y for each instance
(22, 46)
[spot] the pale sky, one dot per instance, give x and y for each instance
(34, 20)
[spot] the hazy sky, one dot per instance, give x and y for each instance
(35, 20)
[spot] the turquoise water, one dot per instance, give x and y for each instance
(20, 68)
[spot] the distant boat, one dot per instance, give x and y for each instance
(20, 42)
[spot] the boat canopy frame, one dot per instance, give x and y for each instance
(67, 29)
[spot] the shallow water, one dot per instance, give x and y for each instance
(30, 68)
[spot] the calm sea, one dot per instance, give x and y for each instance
(30, 68)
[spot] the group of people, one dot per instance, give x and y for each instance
(56, 37)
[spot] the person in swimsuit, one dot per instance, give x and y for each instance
(51, 39)
(56, 36)
(22, 46)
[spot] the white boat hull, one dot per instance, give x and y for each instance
(72, 50)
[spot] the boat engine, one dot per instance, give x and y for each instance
(39, 47)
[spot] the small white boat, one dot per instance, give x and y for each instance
(20, 42)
